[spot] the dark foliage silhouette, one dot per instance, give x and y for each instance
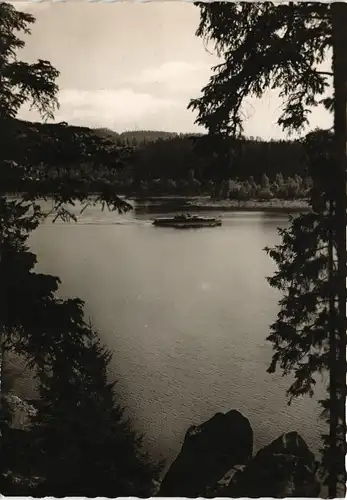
(281, 47)
(76, 439)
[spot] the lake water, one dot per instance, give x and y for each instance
(186, 314)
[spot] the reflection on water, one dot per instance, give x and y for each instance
(186, 314)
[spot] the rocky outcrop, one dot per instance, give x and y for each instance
(284, 468)
(216, 461)
(209, 451)
(219, 489)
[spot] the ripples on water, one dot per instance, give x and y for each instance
(186, 314)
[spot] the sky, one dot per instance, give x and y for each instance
(133, 66)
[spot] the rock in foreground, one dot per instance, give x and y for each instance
(209, 451)
(284, 468)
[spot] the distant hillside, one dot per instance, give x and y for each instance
(147, 135)
(137, 136)
(133, 136)
(56, 144)
(156, 154)
(106, 132)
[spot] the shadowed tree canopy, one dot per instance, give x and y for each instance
(22, 82)
(79, 442)
(263, 47)
(25, 169)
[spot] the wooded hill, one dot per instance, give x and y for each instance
(167, 155)
(157, 163)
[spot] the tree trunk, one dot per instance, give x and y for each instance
(339, 30)
(333, 354)
(3, 408)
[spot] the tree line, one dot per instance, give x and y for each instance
(162, 164)
(174, 156)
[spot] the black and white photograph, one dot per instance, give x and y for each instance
(173, 249)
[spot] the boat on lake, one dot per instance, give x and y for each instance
(184, 221)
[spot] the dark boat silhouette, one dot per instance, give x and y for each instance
(184, 221)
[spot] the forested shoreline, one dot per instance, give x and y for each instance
(150, 163)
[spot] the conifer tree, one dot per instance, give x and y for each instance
(79, 441)
(267, 46)
(84, 444)
(304, 333)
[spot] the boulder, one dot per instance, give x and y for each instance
(284, 468)
(219, 488)
(209, 451)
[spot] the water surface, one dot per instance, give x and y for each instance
(186, 314)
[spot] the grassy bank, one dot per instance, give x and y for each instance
(252, 205)
(201, 203)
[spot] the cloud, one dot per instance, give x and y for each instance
(125, 109)
(118, 109)
(31, 6)
(124, 104)
(176, 76)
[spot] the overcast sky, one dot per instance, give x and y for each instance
(130, 66)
